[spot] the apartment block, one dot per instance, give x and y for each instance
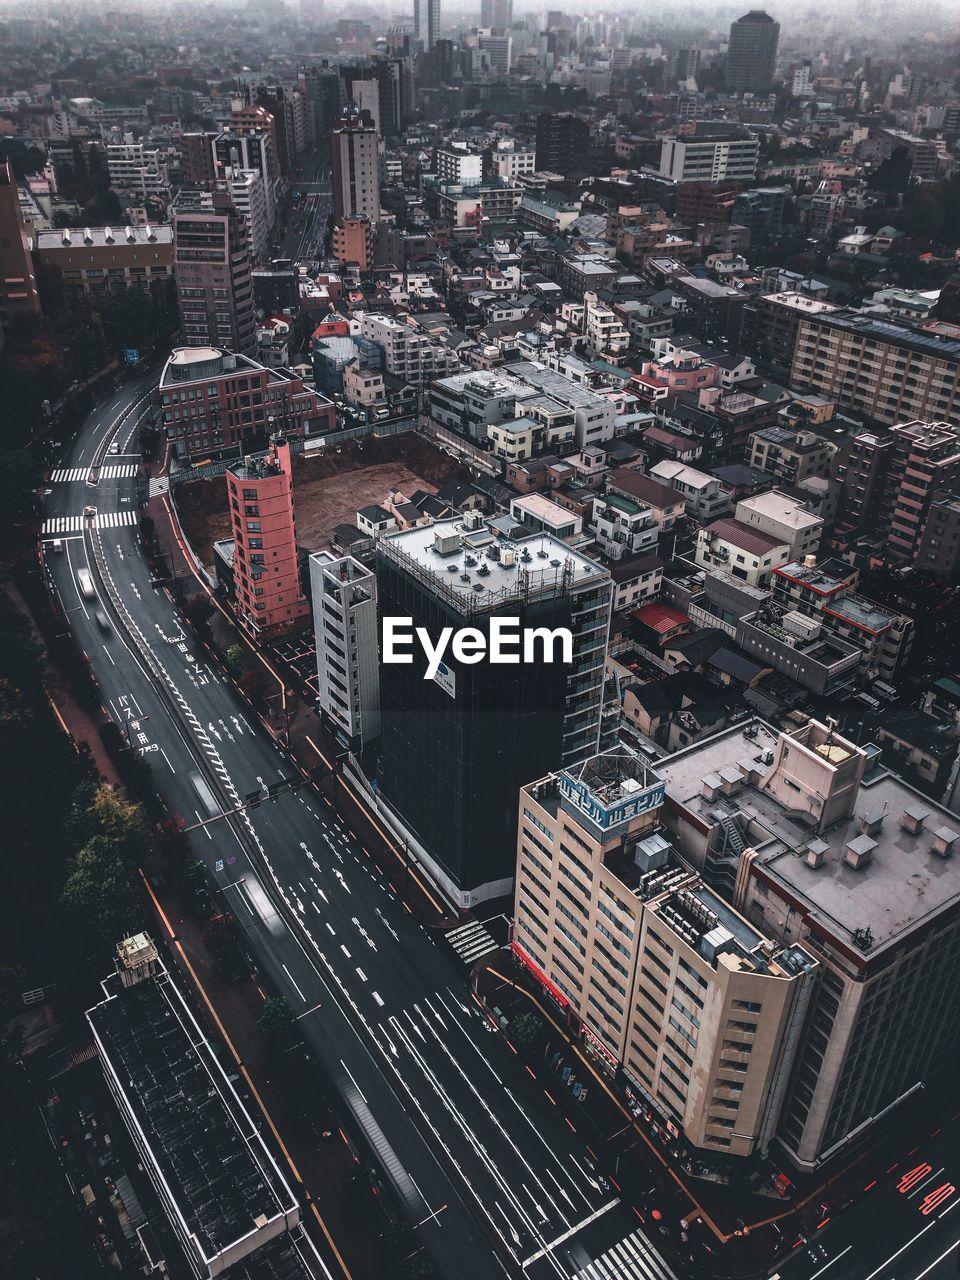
(699, 1009)
(137, 169)
(623, 529)
(666, 503)
(346, 633)
(893, 488)
(738, 549)
(770, 323)
(211, 265)
(783, 518)
(355, 167)
(792, 455)
(213, 400)
(715, 157)
(813, 839)
(887, 371)
(353, 243)
(269, 598)
(408, 352)
(18, 284)
(882, 636)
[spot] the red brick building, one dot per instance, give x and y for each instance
(269, 599)
(212, 401)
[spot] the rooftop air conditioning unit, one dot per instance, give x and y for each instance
(508, 556)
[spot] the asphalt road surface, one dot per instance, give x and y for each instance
(495, 1181)
(310, 203)
(904, 1226)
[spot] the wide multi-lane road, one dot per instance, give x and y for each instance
(494, 1179)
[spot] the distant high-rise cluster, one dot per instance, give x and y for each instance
(426, 21)
(752, 52)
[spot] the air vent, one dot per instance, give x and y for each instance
(859, 852)
(944, 842)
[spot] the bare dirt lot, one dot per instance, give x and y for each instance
(327, 490)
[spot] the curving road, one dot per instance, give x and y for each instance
(495, 1181)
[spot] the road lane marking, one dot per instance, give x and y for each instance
(831, 1262)
(294, 981)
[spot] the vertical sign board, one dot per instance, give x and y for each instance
(446, 678)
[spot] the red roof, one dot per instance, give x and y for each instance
(741, 535)
(660, 617)
(641, 487)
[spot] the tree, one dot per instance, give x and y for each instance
(524, 1028)
(274, 1023)
(236, 658)
(104, 890)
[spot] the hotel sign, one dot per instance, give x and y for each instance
(610, 815)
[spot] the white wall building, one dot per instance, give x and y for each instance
(346, 634)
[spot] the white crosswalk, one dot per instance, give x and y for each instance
(74, 524)
(632, 1258)
(471, 941)
(70, 475)
(158, 485)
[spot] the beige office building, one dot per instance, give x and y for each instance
(820, 846)
(700, 1010)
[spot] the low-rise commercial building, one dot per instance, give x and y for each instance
(96, 261)
(221, 1189)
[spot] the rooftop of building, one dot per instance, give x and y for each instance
(643, 488)
(669, 470)
(210, 1155)
(540, 506)
(742, 535)
(103, 237)
(904, 885)
(774, 505)
(886, 331)
(477, 567)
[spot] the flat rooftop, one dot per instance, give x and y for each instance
(223, 1181)
(472, 572)
(905, 884)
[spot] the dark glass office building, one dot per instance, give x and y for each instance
(457, 749)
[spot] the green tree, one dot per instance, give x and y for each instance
(104, 891)
(524, 1028)
(236, 658)
(274, 1023)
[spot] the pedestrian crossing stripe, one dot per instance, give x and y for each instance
(75, 524)
(158, 485)
(471, 941)
(70, 475)
(632, 1258)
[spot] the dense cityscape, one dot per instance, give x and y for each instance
(480, 706)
